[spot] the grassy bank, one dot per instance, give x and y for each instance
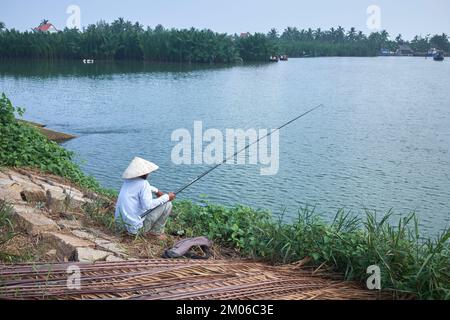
(22, 145)
(409, 264)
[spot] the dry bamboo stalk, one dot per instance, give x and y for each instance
(173, 279)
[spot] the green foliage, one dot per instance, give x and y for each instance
(101, 213)
(6, 230)
(347, 245)
(233, 227)
(6, 224)
(123, 40)
(257, 47)
(187, 46)
(22, 145)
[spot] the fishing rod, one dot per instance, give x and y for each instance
(235, 154)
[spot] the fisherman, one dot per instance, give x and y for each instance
(136, 198)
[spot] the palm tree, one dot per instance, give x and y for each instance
(340, 34)
(441, 42)
(360, 36)
(385, 35)
(351, 35)
(399, 39)
(318, 34)
(273, 34)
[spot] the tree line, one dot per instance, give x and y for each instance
(124, 40)
(339, 42)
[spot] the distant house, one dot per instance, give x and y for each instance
(245, 34)
(404, 50)
(46, 26)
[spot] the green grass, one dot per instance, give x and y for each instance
(101, 214)
(6, 230)
(348, 245)
(6, 224)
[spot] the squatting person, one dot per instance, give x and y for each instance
(136, 198)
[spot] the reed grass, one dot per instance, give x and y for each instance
(6, 230)
(6, 224)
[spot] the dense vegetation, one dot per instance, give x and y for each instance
(409, 265)
(339, 42)
(123, 40)
(22, 145)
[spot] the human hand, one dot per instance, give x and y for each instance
(172, 196)
(159, 194)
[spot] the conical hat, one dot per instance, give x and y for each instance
(139, 167)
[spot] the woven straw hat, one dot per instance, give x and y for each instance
(139, 167)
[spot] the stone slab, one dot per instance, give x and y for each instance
(11, 192)
(66, 244)
(112, 258)
(89, 255)
(33, 221)
(69, 224)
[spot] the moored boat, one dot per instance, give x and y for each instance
(439, 56)
(283, 58)
(273, 59)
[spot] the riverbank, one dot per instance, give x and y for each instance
(50, 134)
(409, 265)
(48, 222)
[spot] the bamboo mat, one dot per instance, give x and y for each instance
(173, 279)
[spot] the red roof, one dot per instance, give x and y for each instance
(44, 27)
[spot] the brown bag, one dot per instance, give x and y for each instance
(181, 248)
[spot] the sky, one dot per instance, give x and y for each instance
(408, 17)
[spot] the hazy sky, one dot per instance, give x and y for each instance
(408, 17)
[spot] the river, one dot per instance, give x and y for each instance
(381, 141)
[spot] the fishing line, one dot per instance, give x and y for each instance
(235, 154)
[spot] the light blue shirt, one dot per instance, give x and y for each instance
(135, 198)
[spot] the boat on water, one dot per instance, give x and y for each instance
(273, 58)
(439, 56)
(431, 53)
(283, 58)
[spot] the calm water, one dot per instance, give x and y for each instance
(381, 142)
